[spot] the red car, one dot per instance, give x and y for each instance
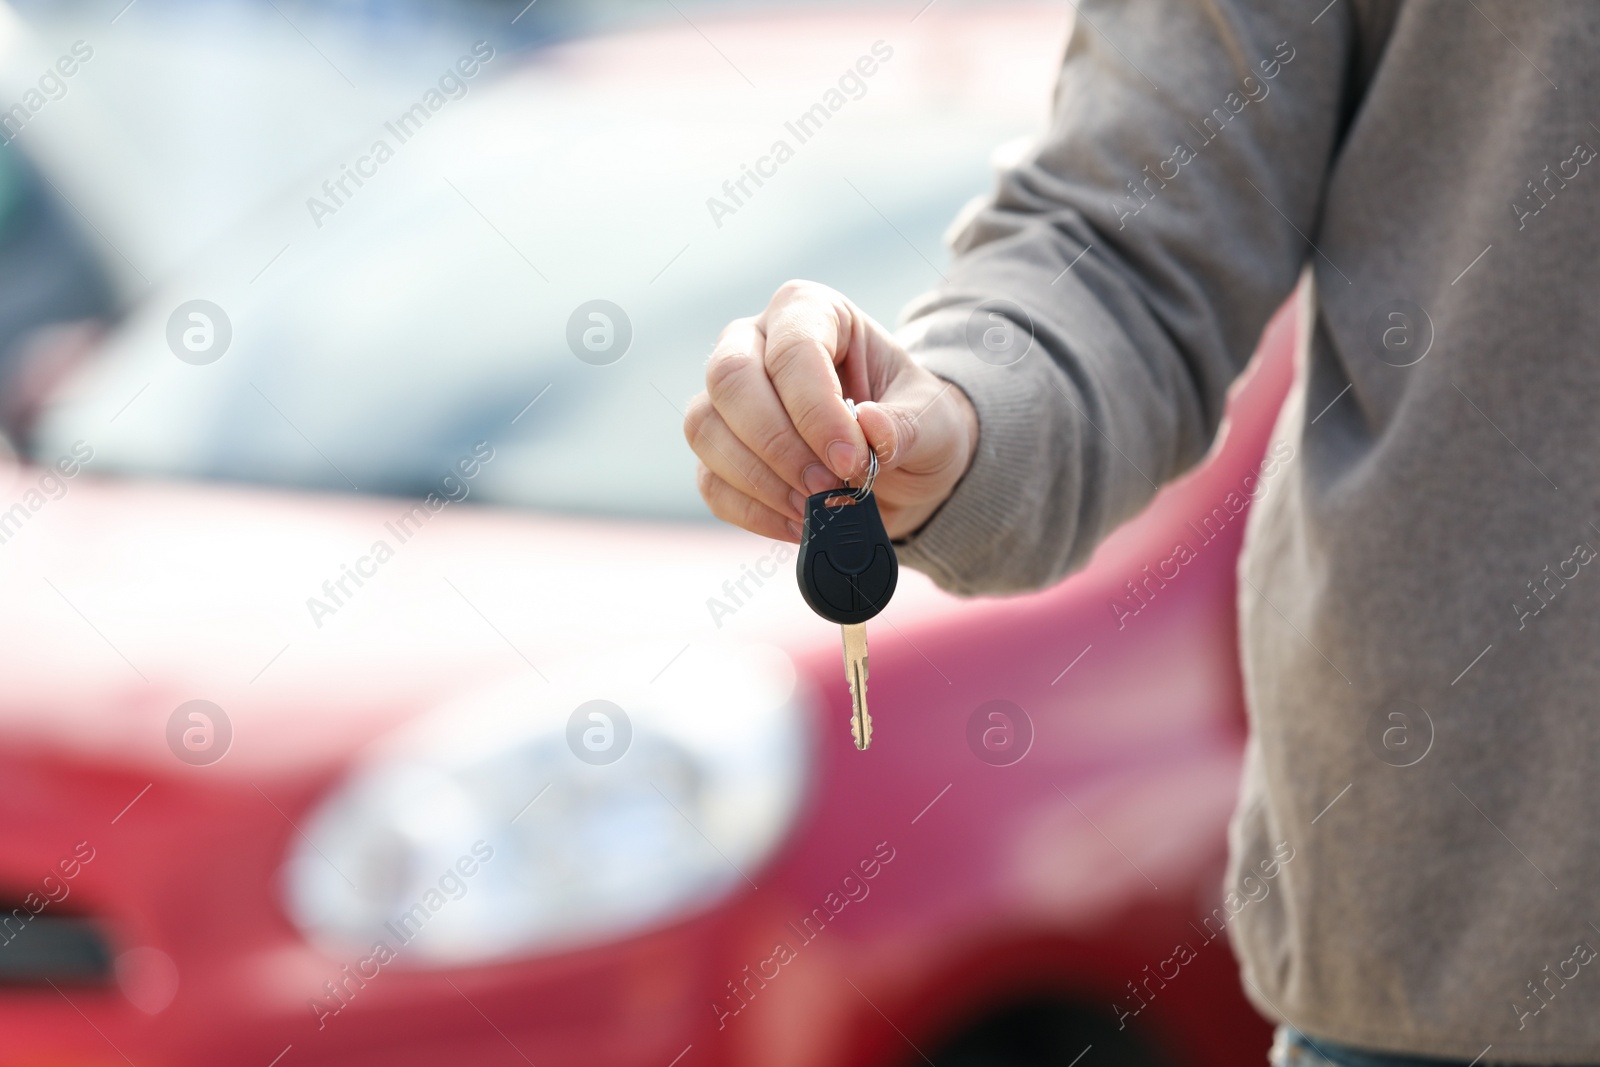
(306, 778)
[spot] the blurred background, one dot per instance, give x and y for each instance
(377, 688)
(575, 164)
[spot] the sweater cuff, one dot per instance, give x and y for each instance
(960, 540)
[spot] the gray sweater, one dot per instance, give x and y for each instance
(1419, 604)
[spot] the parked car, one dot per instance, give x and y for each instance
(379, 692)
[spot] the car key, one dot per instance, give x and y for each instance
(848, 570)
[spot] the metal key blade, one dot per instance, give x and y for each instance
(855, 669)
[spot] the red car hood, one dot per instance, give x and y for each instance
(126, 599)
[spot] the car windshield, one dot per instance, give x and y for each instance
(378, 328)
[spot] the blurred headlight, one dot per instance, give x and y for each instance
(496, 826)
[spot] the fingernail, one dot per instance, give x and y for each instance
(794, 530)
(842, 455)
(797, 502)
(817, 478)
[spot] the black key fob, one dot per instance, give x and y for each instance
(847, 566)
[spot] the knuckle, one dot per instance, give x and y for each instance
(725, 371)
(798, 289)
(725, 502)
(790, 348)
(810, 412)
(776, 445)
(734, 329)
(697, 417)
(906, 430)
(791, 290)
(759, 479)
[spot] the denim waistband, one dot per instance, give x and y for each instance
(1291, 1048)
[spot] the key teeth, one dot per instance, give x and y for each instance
(860, 722)
(860, 725)
(858, 728)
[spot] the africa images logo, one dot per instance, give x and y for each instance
(199, 732)
(199, 332)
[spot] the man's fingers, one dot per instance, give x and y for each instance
(809, 329)
(730, 505)
(741, 392)
(732, 460)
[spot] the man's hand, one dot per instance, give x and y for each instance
(772, 427)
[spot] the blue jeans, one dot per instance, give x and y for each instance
(1291, 1048)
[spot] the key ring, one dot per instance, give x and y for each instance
(872, 460)
(872, 476)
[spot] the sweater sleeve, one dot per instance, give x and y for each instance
(1104, 298)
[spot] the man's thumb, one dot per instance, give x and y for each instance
(891, 431)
